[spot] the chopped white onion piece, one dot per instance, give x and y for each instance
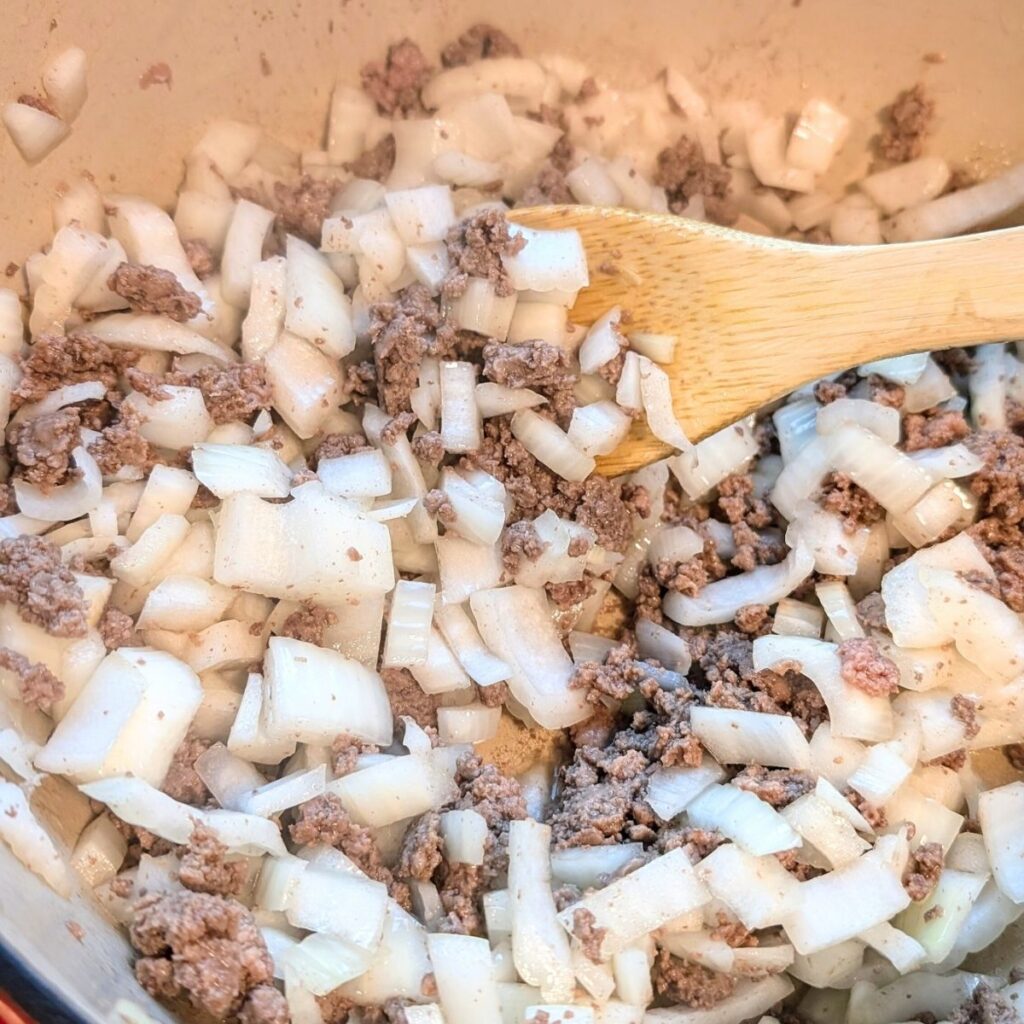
(464, 974)
(67, 501)
(858, 896)
(549, 261)
(345, 906)
(727, 451)
(741, 816)
(598, 428)
(671, 790)
(750, 737)
(748, 1000)
(960, 211)
(641, 901)
(720, 601)
(543, 439)
(1000, 811)
(398, 788)
(539, 671)
(797, 618)
(234, 469)
(139, 803)
(460, 417)
(766, 147)
(29, 842)
(656, 396)
(33, 131)
(313, 694)
(461, 634)
(758, 890)
(819, 133)
(838, 605)
(473, 723)
(882, 420)
(409, 619)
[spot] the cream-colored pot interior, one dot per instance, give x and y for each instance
(275, 62)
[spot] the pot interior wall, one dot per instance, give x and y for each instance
(276, 63)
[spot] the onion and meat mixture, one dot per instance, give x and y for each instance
(381, 703)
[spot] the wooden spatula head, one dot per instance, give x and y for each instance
(758, 317)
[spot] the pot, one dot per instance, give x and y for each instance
(159, 70)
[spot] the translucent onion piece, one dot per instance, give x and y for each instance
(749, 737)
(71, 500)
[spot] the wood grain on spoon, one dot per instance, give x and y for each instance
(757, 317)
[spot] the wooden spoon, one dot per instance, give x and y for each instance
(757, 317)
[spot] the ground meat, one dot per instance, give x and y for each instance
(8, 502)
(200, 258)
(865, 667)
(54, 361)
(422, 849)
(828, 391)
(775, 786)
(27, 99)
(347, 750)
(733, 933)
(308, 623)
(532, 487)
(478, 43)
(724, 669)
(407, 697)
(697, 842)
(264, 1005)
(231, 393)
(754, 619)
(691, 984)
(934, 429)
(154, 290)
(206, 947)
(475, 248)
(205, 866)
(121, 444)
(885, 392)
(38, 687)
(334, 446)
(548, 187)
(849, 501)
(182, 781)
(874, 816)
(565, 596)
(740, 504)
(117, 630)
(1014, 753)
(965, 709)
(905, 125)
(428, 448)
(493, 695)
(402, 332)
(601, 799)
(602, 510)
(871, 612)
(690, 577)
(41, 447)
(589, 936)
(616, 677)
(394, 84)
(923, 870)
(437, 504)
(375, 163)
(33, 578)
(530, 364)
(684, 173)
(954, 760)
(519, 541)
(999, 484)
(986, 1006)
(303, 206)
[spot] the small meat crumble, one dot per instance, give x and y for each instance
(316, 781)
